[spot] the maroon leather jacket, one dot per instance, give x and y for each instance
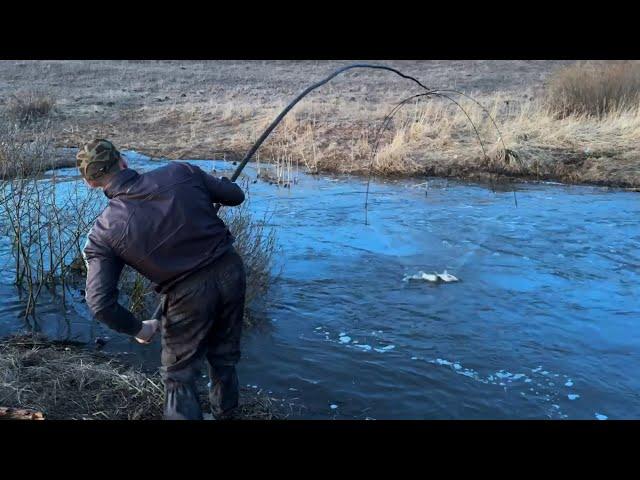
(163, 224)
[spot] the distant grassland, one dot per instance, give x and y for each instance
(576, 123)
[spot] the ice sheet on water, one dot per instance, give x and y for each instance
(573, 396)
(344, 339)
(600, 416)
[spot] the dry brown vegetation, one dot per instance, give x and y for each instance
(210, 109)
(595, 88)
(27, 106)
(67, 382)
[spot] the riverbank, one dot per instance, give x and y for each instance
(217, 109)
(67, 381)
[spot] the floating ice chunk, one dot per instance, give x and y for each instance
(333, 406)
(573, 396)
(536, 369)
(385, 349)
(569, 383)
(318, 328)
(467, 373)
(503, 375)
(293, 389)
(544, 372)
(342, 334)
(440, 361)
(527, 380)
(414, 358)
(457, 366)
(518, 376)
(447, 277)
(431, 277)
(599, 416)
(363, 347)
(345, 339)
(557, 407)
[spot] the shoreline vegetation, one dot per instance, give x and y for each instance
(576, 123)
(67, 381)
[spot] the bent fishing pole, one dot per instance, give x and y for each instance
(258, 143)
(286, 110)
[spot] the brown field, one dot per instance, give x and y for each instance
(189, 109)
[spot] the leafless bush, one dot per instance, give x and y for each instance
(46, 218)
(27, 106)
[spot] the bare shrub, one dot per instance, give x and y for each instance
(27, 106)
(46, 218)
(595, 89)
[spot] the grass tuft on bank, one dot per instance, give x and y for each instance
(66, 381)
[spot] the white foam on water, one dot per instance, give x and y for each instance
(599, 416)
(569, 383)
(457, 366)
(414, 358)
(573, 396)
(344, 339)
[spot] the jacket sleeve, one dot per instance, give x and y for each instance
(222, 190)
(103, 273)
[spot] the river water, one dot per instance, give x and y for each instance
(544, 321)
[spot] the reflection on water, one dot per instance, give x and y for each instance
(543, 322)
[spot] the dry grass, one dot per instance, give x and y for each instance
(219, 108)
(68, 382)
(595, 88)
(27, 106)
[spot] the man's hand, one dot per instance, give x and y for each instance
(148, 330)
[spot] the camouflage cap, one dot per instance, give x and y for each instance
(97, 158)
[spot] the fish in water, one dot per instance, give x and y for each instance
(431, 277)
